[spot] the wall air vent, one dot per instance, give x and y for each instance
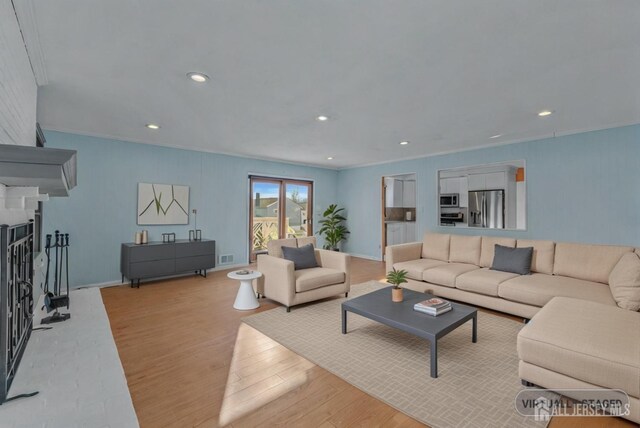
(226, 259)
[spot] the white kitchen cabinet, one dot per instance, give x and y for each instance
(409, 194)
(398, 193)
(401, 232)
(449, 185)
(410, 231)
(388, 192)
(495, 180)
(393, 193)
(489, 181)
(395, 233)
(476, 182)
(463, 191)
(444, 185)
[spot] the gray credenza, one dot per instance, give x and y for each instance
(157, 259)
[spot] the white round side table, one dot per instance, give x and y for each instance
(246, 297)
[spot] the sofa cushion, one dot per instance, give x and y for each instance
(488, 248)
(415, 268)
(543, 254)
(483, 281)
(624, 282)
(302, 258)
(538, 289)
(310, 279)
(274, 247)
(436, 246)
(465, 249)
(514, 260)
(447, 274)
(588, 262)
(591, 342)
(306, 240)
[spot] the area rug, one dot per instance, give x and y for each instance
(476, 385)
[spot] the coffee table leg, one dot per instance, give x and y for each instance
(434, 358)
(344, 322)
(474, 334)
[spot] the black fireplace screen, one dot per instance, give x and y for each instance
(16, 299)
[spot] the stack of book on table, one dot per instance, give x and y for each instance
(433, 306)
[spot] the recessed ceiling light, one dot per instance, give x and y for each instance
(198, 77)
(152, 126)
(322, 118)
(496, 136)
(544, 113)
(404, 143)
(330, 158)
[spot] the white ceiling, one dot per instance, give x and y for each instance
(445, 75)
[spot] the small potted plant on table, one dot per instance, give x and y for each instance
(395, 278)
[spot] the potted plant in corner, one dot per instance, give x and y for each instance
(396, 277)
(332, 228)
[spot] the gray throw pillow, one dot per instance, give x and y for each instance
(514, 260)
(302, 258)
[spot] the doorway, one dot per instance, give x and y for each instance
(398, 210)
(279, 208)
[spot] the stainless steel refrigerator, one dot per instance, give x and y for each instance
(486, 209)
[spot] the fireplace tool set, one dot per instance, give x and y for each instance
(53, 297)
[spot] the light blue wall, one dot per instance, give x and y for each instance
(580, 188)
(100, 213)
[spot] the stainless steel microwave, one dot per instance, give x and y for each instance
(449, 200)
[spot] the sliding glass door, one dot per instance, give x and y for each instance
(280, 208)
(264, 220)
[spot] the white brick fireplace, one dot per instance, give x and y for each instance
(19, 204)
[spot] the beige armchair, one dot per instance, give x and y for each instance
(280, 282)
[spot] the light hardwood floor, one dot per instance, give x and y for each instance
(190, 362)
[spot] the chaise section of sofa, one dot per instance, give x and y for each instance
(574, 343)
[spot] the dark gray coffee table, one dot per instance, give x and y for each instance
(379, 307)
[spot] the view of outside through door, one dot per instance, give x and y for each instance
(266, 222)
(279, 209)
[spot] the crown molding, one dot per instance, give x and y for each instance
(541, 137)
(507, 142)
(25, 12)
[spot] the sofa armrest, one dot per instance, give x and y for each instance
(332, 259)
(279, 282)
(402, 253)
(335, 260)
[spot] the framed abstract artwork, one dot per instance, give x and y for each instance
(162, 204)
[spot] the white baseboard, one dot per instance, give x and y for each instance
(225, 267)
(362, 256)
(99, 285)
(114, 283)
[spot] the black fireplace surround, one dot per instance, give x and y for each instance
(16, 299)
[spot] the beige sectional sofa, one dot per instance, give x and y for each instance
(458, 267)
(578, 336)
